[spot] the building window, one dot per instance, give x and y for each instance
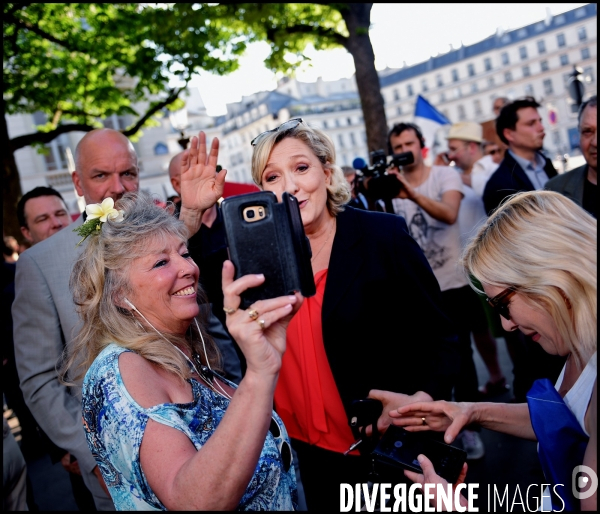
(399, 110)
(349, 120)
(337, 122)
(352, 139)
(526, 71)
(471, 70)
(544, 65)
(474, 87)
(341, 140)
(541, 44)
(507, 76)
(548, 88)
(585, 53)
(564, 59)
(409, 89)
(457, 92)
(477, 105)
(160, 149)
(442, 97)
(560, 39)
(396, 95)
(55, 155)
(461, 113)
(504, 58)
(529, 90)
(424, 87)
(324, 124)
(582, 34)
(588, 75)
(491, 82)
(523, 52)
(439, 80)
(487, 64)
(454, 75)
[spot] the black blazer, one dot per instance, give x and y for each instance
(508, 179)
(383, 325)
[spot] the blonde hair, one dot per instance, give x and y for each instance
(338, 191)
(100, 279)
(544, 245)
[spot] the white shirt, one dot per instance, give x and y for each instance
(439, 241)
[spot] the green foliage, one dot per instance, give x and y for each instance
(288, 28)
(83, 62)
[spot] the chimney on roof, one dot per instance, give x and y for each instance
(548, 19)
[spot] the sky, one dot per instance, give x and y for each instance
(396, 39)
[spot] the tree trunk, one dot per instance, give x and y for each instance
(11, 185)
(358, 20)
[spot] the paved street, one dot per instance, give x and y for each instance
(508, 462)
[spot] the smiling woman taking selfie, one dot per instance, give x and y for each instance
(167, 431)
(373, 285)
(536, 258)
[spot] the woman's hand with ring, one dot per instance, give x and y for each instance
(439, 416)
(260, 331)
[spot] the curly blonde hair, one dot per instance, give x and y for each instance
(101, 276)
(544, 245)
(338, 191)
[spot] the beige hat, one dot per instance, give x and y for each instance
(466, 131)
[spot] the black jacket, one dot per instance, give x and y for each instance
(508, 179)
(383, 324)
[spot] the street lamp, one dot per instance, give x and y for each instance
(179, 121)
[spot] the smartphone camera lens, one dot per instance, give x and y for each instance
(250, 214)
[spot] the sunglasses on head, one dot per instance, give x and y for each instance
(282, 445)
(287, 125)
(500, 302)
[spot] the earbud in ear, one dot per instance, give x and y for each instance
(126, 300)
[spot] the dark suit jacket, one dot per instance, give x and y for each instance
(509, 179)
(570, 184)
(383, 325)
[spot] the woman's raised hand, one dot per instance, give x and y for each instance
(201, 185)
(261, 329)
(439, 416)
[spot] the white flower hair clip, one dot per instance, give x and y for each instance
(98, 213)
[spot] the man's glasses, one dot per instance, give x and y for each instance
(500, 302)
(282, 445)
(287, 125)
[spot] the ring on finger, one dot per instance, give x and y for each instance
(229, 311)
(261, 323)
(423, 421)
(253, 314)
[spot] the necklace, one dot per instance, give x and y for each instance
(324, 244)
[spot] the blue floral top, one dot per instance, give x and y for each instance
(114, 426)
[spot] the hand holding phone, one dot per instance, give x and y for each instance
(399, 448)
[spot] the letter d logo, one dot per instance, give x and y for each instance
(579, 482)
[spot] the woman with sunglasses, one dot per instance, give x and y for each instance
(536, 258)
(373, 286)
(166, 429)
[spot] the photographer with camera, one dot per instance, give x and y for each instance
(429, 200)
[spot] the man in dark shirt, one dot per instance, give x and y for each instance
(581, 184)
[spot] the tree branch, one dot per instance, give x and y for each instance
(46, 137)
(29, 26)
(309, 29)
(157, 107)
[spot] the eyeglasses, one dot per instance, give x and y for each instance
(282, 445)
(286, 125)
(500, 302)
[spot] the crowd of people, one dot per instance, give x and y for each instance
(134, 361)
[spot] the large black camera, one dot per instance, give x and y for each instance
(381, 185)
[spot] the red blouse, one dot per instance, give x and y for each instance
(306, 396)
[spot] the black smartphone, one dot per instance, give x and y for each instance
(399, 448)
(266, 236)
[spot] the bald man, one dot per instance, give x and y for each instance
(45, 317)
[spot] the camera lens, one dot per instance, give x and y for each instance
(250, 214)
